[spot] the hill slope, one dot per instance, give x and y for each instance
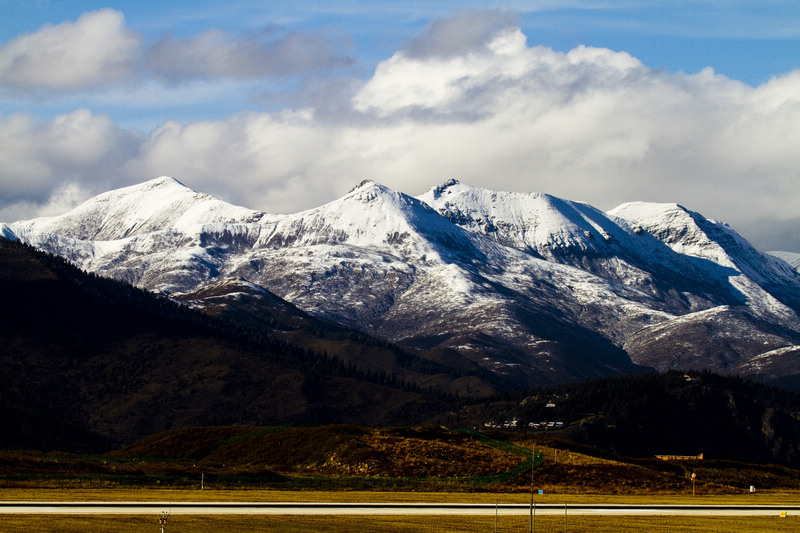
(88, 362)
(671, 413)
(532, 288)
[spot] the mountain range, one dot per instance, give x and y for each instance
(529, 288)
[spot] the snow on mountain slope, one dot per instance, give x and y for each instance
(537, 222)
(352, 259)
(577, 234)
(140, 209)
(7, 233)
(535, 288)
(149, 234)
(792, 258)
(689, 233)
(370, 216)
(769, 286)
(718, 339)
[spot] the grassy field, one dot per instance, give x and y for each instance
(417, 458)
(170, 495)
(421, 524)
(380, 524)
(348, 458)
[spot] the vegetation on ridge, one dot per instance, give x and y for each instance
(402, 458)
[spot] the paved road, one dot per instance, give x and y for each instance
(309, 508)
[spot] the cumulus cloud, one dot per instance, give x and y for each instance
(504, 72)
(461, 33)
(215, 54)
(591, 124)
(276, 162)
(78, 149)
(96, 49)
(99, 50)
(61, 200)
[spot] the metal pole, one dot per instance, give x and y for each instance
(533, 460)
(495, 516)
(565, 518)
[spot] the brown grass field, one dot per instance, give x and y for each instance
(364, 524)
(381, 524)
(349, 458)
(173, 495)
(567, 475)
(421, 524)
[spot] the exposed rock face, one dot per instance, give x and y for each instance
(535, 288)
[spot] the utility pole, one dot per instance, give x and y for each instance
(532, 520)
(163, 521)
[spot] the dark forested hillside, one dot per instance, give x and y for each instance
(673, 413)
(89, 363)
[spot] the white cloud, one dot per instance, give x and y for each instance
(591, 124)
(94, 50)
(484, 82)
(99, 50)
(461, 33)
(215, 54)
(81, 148)
(61, 200)
(252, 159)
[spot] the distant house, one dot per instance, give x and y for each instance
(698, 457)
(545, 425)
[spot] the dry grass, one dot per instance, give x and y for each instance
(384, 524)
(350, 458)
(363, 524)
(327, 451)
(170, 495)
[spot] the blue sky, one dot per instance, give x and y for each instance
(282, 106)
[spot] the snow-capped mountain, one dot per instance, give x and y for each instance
(535, 288)
(790, 257)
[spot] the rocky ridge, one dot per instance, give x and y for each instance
(535, 288)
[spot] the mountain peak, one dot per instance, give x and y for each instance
(674, 225)
(155, 205)
(438, 190)
(369, 214)
(528, 221)
(650, 210)
(363, 183)
(160, 182)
